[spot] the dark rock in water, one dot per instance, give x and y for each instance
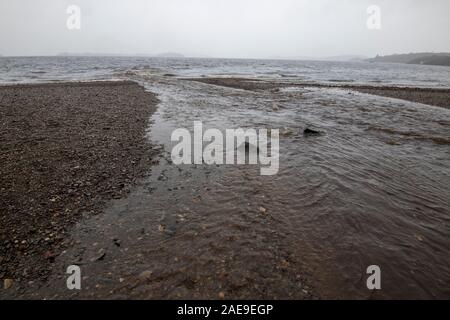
(310, 132)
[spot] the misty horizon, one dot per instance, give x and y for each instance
(252, 30)
(179, 55)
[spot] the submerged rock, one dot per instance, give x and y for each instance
(310, 132)
(287, 132)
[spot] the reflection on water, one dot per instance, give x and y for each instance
(372, 190)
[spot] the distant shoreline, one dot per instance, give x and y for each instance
(421, 58)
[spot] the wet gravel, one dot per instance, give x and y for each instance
(430, 96)
(65, 150)
(433, 97)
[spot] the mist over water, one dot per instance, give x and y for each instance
(231, 28)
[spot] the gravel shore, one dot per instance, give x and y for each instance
(65, 150)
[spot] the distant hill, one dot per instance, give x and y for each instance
(428, 58)
(432, 60)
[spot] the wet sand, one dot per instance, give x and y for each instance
(429, 96)
(66, 149)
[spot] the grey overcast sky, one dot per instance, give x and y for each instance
(224, 28)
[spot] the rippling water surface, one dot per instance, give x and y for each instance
(373, 189)
(36, 69)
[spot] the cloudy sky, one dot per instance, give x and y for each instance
(224, 28)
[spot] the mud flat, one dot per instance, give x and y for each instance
(430, 96)
(65, 150)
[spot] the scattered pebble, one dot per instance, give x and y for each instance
(7, 283)
(146, 274)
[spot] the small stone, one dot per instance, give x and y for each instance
(221, 295)
(284, 263)
(48, 255)
(145, 274)
(7, 283)
(262, 210)
(101, 255)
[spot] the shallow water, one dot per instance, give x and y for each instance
(373, 189)
(62, 68)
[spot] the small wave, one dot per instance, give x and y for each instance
(341, 80)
